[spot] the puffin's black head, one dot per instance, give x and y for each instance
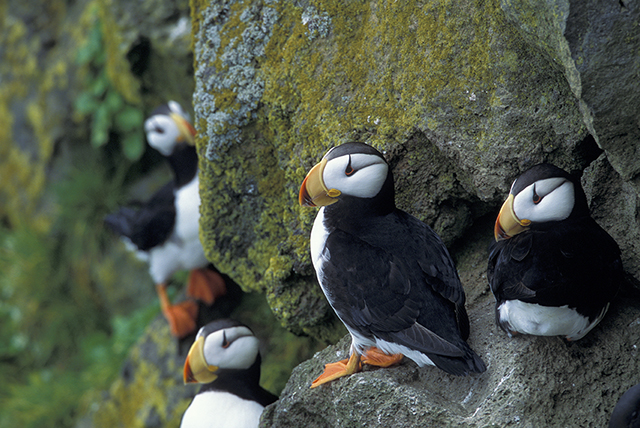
(167, 127)
(221, 345)
(541, 195)
(353, 172)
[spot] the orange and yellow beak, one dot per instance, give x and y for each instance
(196, 369)
(187, 132)
(313, 192)
(508, 224)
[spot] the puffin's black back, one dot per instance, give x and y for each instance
(148, 225)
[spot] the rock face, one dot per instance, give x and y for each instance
(529, 382)
(461, 97)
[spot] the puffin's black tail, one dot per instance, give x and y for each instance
(459, 366)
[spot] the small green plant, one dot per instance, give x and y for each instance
(111, 115)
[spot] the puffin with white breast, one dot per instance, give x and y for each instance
(387, 275)
(552, 269)
(225, 358)
(164, 231)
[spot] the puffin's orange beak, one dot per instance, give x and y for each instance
(508, 224)
(313, 192)
(187, 132)
(196, 369)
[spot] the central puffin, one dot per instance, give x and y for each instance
(387, 275)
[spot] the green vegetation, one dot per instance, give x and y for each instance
(110, 112)
(60, 336)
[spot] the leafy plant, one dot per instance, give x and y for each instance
(111, 115)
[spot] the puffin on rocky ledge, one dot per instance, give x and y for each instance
(225, 358)
(387, 275)
(552, 269)
(164, 231)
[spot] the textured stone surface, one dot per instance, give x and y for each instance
(461, 97)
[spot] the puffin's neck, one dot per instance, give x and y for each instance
(184, 163)
(235, 381)
(351, 213)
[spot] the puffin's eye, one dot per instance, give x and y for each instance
(159, 130)
(349, 169)
(225, 342)
(536, 198)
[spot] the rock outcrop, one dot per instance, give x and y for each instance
(530, 381)
(461, 97)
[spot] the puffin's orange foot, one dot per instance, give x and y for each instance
(337, 370)
(182, 318)
(205, 285)
(375, 357)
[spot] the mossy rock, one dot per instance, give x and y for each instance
(460, 96)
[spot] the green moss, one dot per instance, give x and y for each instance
(329, 72)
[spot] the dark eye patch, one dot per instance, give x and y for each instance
(225, 342)
(536, 198)
(349, 169)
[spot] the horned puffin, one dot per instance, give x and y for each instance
(552, 269)
(226, 360)
(387, 275)
(164, 230)
(626, 414)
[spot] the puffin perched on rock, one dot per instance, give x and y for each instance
(226, 360)
(387, 275)
(164, 231)
(552, 269)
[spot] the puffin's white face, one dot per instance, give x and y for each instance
(551, 199)
(163, 133)
(230, 348)
(359, 175)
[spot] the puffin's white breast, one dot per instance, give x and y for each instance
(538, 320)
(183, 250)
(319, 234)
(214, 409)
(188, 211)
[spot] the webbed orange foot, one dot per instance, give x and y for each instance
(181, 316)
(339, 369)
(375, 357)
(205, 285)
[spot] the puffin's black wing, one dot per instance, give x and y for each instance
(149, 225)
(409, 291)
(575, 263)
(508, 269)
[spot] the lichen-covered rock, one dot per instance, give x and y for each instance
(461, 96)
(530, 381)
